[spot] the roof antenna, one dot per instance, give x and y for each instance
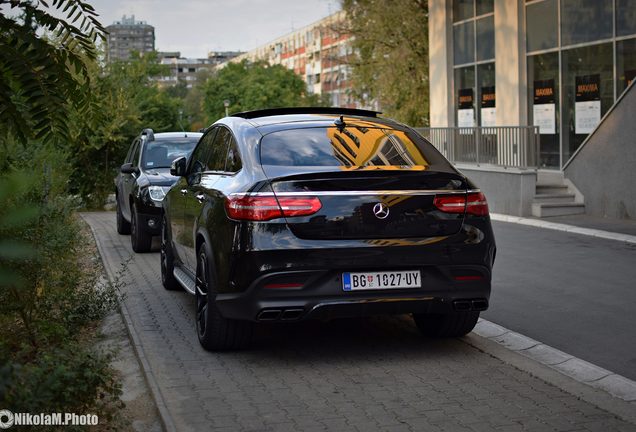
(340, 124)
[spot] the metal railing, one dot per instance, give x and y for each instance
(508, 146)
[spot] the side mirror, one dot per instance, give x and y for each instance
(128, 168)
(178, 167)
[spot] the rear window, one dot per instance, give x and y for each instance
(161, 153)
(351, 147)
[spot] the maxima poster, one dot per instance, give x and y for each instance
(466, 112)
(543, 110)
(587, 106)
(488, 110)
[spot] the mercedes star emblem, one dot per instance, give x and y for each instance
(380, 211)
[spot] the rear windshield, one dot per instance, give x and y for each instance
(161, 153)
(351, 147)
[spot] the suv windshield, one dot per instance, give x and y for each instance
(350, 147)
(161, 153)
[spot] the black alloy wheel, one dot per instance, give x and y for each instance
(123, 226)
(215, 332)
(140, 240)
(168, 280)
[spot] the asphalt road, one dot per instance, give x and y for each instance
(375, 374)
(572, 292)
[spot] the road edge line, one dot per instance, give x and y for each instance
(164, 414)
(609, 391)
(608, 235)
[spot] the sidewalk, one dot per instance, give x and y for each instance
(622, 226)
(345, 375)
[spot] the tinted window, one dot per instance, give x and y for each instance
(161, 153)
(200, 154)
(233, 162)
(135, 153)
(218, 151)
(351, 147)
(131, 151)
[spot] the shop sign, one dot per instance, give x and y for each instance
(587, 106)
(544, 108)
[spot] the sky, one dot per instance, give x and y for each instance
(195, 27)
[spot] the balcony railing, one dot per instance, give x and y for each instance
(508, 146)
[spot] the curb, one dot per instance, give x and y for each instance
(612, 392)
(164, 414)
(608, 235)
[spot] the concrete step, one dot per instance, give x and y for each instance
(544, 189)
(550, 176)
(557, 209)
(554, 198)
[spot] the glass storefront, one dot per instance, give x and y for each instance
(473, 57)
(581, 55)
(543, 96)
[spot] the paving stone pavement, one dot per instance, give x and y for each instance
(345, 375)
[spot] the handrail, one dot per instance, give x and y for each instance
(506, 146)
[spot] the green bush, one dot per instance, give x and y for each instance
(51, 293)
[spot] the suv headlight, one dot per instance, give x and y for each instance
(158, 193)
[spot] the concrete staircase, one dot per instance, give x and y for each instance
(556, 196)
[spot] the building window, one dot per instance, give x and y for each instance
(585, 21)
(575, 60)
(486, 38)
(625, 17)
(543, 101)
(588, 92)
(464, 43)
(474, 54)
(625, 63)
(541, 25)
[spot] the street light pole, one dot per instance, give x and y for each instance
(226, 104)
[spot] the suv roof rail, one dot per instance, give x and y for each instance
(150, 135)
(305, 110)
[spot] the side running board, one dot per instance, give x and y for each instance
(185, 280)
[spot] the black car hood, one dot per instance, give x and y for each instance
(160, 177)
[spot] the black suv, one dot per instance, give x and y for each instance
(143, 181)
(290, 214)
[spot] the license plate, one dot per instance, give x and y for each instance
(381, 280)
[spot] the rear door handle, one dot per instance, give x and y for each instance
(200, 197)
(184, 191)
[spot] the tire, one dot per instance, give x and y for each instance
(139, 238)
(449, 325)
(215, 332)
(167, 260)
(123, 226)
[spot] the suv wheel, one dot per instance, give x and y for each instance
(167, 260)
(453, 324)
(123, 226)
(215, 332)
(139, 238)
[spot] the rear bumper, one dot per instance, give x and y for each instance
(322, 296)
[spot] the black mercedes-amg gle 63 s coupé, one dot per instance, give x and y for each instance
(299, 213)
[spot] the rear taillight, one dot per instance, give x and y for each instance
(472, 203)
(476, 204)
(263, 208)
(450, 203)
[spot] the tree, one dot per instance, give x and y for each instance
(250, 86)
(44, 72)
(390, 63)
